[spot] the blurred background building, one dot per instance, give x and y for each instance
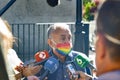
(38, 11)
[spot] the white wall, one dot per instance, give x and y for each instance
(29, 11)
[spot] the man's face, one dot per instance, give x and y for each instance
(60, 36)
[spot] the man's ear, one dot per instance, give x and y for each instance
(101, 46)
(49, 42)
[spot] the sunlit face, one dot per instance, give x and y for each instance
(60, 36)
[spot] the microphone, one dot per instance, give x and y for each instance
(53, 3)
(72, 70)
(41, 57)
(50, 66)
(83, 61)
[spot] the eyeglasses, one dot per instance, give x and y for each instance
(110, 38)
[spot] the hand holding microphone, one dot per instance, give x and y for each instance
(40, 57)
(34, 67)
(72, 71)
(83, 76)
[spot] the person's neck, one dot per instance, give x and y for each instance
(113, 66)
(60, 57)
(110, 66)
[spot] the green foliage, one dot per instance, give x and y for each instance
(89, 10)
(85, 2)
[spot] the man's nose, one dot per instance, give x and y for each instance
(67, 41)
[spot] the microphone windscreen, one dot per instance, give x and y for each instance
(51, 64)
(82, 60)
(53, 3)
(41, 55)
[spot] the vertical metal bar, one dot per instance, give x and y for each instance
(48, 47)
(86, 39)
(29, 40)
(23, 42)
(39, 36)
(78, 44)
(33, 38)
(43, 36)
(18, 41)
(78, 11)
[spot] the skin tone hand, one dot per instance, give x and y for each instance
(31, 70)
(28, 70)
(20, 68)
(83, 76)
(71, 76)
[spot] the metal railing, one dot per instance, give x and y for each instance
(32, 37)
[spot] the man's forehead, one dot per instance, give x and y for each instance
(61, 30)
(61, 33)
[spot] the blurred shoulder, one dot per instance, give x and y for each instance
(11, 52)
